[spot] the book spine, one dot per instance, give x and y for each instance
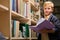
(14, 5)
(14, 26)
(25, 10)
(22, 7)
(17, 6)
(17, 29)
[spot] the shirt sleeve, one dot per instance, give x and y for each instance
(56, 22)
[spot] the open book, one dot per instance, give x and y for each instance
(42, 24)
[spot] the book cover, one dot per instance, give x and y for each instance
(24, 28)
(42, 24)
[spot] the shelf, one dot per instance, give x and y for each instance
(3, 8)
(23, 38)
(19, 38)
(33, 37)
(19, 17)
(15, 15)
(33, 7)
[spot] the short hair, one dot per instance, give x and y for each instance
(48, 3)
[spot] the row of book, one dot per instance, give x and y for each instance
(20, 7)
(20, 29)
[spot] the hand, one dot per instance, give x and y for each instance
(51, 31)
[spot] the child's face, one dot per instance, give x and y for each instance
(47, 10)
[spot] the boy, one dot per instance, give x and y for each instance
(48, 15)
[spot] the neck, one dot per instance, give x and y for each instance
(46, 17)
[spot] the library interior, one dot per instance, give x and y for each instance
(18, 15)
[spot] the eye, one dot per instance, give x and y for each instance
(45, 8)
(48, 8)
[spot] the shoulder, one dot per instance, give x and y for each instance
(53, 17)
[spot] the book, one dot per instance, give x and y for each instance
(17, 6)
(24, 28)
(15, 28)
(22, 7)
(33, 34)
(42, 25)
(25, 10)
(14, 5)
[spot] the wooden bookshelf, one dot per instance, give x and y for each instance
(7, 15)
(15, 15)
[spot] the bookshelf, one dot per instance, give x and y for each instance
(22, 14)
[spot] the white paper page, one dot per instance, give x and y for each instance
(39, 22)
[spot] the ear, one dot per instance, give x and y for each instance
(52, 9)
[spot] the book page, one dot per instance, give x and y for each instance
(39, 22)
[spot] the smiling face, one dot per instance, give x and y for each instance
(48, 10)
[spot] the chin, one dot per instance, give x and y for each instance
(47, 14)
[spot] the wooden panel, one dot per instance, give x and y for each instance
(19, 17)
(5, 2)
(5, 22)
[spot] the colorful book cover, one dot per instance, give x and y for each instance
(42, 25)
(24, 28)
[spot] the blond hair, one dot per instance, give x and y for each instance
(48, 3)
